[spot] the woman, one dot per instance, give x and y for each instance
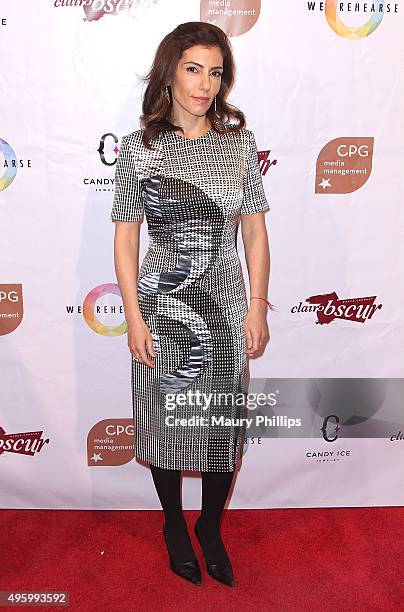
(194, 175)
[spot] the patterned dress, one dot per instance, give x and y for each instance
(191, 292)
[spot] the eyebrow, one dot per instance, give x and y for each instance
(201, 65)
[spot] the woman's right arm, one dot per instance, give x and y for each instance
(126, 261)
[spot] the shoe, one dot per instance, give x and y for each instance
(189, 570)
(221, 571)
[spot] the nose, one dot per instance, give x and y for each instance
(204, 84)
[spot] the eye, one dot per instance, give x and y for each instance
(217, 73)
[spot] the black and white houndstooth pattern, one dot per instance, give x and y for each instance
(190, 287)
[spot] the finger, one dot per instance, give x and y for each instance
(145, 359)
(255, 340)
(260, 341)
(149, 345)
(140, 356)
(249, 340)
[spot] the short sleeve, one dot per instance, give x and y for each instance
(127, 204)
(254, 199)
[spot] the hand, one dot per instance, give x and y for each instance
(140, 340)
(256, 328)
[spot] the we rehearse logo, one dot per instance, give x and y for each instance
(353, 20)
(102, 310)
(10, 164)
(329, 307)
(22, 443)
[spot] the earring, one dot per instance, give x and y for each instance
(167, 94)
(215, 105)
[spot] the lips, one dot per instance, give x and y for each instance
(200, 99)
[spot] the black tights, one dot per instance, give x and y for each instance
(215, 489)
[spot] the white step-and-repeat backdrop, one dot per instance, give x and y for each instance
(321, 84)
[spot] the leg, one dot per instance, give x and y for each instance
(168, 486)
(215, 489)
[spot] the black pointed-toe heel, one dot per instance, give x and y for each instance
(221, 571)
(189, 570)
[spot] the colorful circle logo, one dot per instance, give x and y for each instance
(10, 171)
(89, 311)
(345, 31)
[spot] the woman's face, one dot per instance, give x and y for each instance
(197, 79)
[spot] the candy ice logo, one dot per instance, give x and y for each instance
(331, 428)
(22, 443)
(328, 307)
(344, 164)
(101, 149)
(9, 165)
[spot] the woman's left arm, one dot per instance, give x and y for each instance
(256, 249)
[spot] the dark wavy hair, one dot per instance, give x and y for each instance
(156, 108)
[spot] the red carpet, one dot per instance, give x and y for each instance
(294, 559)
